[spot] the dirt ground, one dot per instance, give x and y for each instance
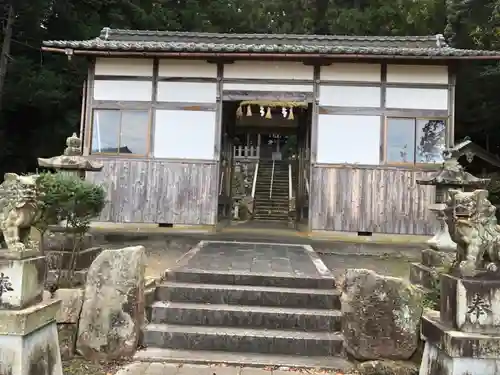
(163, 254)
(78, 366)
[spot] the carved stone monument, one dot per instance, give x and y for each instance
(464, 337)
(441, 251)
(28, 332)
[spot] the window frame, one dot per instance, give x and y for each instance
(415, 120)
(118, 154)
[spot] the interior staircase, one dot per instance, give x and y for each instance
(258, 320)
(274, 207)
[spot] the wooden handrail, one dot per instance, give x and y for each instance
(272, 179)
(254, 182)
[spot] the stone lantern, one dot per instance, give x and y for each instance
(441, 252)
(450, 176)
(72, 162)
(60, 243)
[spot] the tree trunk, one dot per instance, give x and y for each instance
(4, 55)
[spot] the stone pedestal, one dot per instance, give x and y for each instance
(59, 245)
(438, 257)
(464, 337)
(442, 239)
(28, 333)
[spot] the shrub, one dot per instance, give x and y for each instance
(71, 199)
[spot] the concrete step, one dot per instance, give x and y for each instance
(266, 203)
(271, 216)
(171, 336)
(271, 219)
(277, 214)
(277, 195)
(249, 295)
(249, 278)
(259, 317)
(334, 364)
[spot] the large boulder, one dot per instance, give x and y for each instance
(381, 316)
(113, 308)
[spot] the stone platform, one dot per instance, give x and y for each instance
(247, 303)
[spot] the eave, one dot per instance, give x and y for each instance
(266, 55)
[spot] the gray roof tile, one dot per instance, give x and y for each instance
(172, 41)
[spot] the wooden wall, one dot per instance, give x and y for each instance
(378, 200)
(158, 191)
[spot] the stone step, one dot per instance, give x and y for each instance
(283, 280)
(171, 336)
(248, 295)
(261, 317)
(334, 364)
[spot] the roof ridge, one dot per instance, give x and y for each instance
(106, 32)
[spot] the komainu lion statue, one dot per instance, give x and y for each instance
(18, 210)
(473, 226)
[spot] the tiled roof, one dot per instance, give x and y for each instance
(172, 41)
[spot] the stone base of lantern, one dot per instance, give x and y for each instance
(29, 340)
(452, 352)
(433, 262)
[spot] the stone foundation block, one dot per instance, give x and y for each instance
(21, 282)
(62, 259)
(423, 276)
(451, 352)
(71, 305)
(471, 305)
(67, 339)
(29, 341)
(58, 241)
(78, 278)
(435, 258)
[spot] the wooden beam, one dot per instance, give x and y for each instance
(233, 95)
(87, 139)
(154, 98)
(383, 95)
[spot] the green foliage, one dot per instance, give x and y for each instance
(69, 198)
(42, 93)
(432, 297)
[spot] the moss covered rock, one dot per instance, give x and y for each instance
(381, 316)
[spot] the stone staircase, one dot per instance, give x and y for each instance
(238, 318)
(273, 208)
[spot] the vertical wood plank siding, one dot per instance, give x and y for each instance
(157, 191)
(371, 200)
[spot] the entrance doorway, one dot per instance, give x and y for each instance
(264, 162)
